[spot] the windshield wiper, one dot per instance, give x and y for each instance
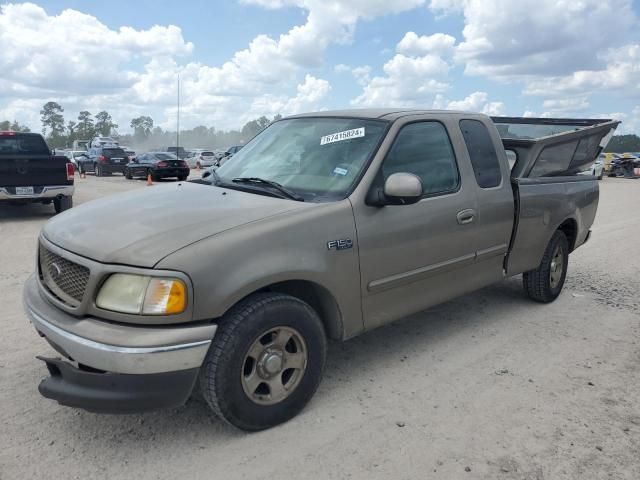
(261, 181)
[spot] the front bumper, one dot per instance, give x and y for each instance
(113, 392)
(155, 366)
(48, 192)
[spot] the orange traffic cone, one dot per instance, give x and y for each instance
(149, 180)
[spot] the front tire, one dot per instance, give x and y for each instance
(545, 283)
(62, 204)
(265, 362)
(127, 174)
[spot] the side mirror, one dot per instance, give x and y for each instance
(402, 189)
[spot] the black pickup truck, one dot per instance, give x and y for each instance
(30, 173)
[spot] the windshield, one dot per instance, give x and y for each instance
(317, 158)
(207, 154)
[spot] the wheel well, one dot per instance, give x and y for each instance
(319, 298)
(570, 228)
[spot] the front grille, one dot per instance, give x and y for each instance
(65, 279)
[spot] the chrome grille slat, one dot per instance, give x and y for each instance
(65, 279)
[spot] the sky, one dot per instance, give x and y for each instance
(238, 60)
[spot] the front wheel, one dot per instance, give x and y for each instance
(545, 283)
(127, 174)
(265, 362)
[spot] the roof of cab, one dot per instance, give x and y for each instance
(378, 113)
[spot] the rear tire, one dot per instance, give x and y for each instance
(127, 174)
(265, 362)
(62, 204)
(545, 283)
(182, 178)
(97, 170)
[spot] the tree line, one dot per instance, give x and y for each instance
(146, 136)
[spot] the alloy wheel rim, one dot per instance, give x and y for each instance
(274, 365)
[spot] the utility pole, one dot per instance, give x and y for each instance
(178, 122)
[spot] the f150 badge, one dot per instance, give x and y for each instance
(341, 244)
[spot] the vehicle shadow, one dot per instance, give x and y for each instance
(26, 212)
(193, 424)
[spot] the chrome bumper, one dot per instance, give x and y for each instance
(51, 191)
(142, 349)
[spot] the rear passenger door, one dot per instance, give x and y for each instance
(495, 219)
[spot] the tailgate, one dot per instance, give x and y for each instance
(33, 170)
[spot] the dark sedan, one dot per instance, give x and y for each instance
(157, 164)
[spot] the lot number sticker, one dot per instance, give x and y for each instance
(340, 136)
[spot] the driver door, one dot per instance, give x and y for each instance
(415, 256)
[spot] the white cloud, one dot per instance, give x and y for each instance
(475, 102)
(414, 45)
(566, 105)
(507, 38)
(275, 70)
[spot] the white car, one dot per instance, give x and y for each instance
(202, 158)
(107, 142)
(597, 168)
(73, 154)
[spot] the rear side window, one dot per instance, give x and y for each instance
(21, 145)
(424, 149)
(482, 152)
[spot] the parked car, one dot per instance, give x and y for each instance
(72, 155)
(106, 142)
(233, 150)
(103, 161)
(129, 151)
(82, 145)
(324, 226)
(159, 165)
(597, 168)
(30, 173)
(179, 152)
(202, 159)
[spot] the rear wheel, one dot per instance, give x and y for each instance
(545, 283)
(265, 362)
(97, 170)
(182, 178)
(62, 204)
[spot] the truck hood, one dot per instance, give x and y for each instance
(141, 227)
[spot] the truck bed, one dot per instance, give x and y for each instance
(548, 192)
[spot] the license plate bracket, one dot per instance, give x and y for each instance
(24, 191)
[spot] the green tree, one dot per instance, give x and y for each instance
(85, 129)
(52, 119)
(623, 144)
(254, 127)
(14, 126)
(71, 131)
(142, 127)
(104, 124)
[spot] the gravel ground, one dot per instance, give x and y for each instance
(487, 386)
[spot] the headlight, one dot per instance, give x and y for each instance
(138, 294)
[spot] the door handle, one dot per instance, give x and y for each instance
(466, 216)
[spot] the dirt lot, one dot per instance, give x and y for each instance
(487, 386)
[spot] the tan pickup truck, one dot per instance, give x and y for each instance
(324, 226)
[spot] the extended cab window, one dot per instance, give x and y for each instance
(424, 149)
(482, 153)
